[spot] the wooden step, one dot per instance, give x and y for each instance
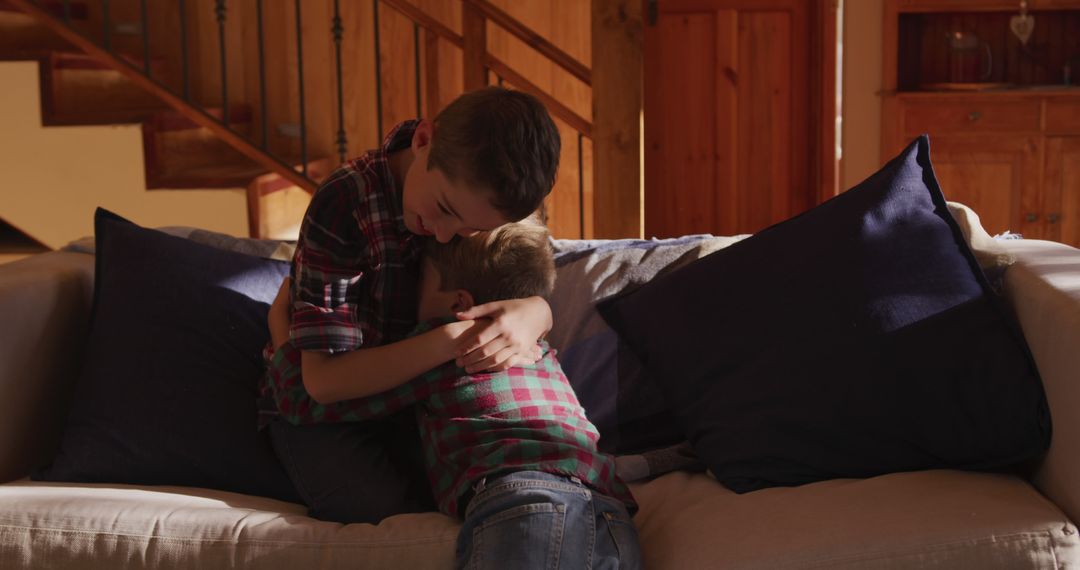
(242, 173)
(77, 89)
(76, 10)
(22, 37)
(178, 153)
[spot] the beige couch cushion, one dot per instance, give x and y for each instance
(938, 519)
(931, 519)
(83, 526)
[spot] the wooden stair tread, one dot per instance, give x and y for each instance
(78, 89)
(22, 37)
(232, 174)
(68, 59)
(77, 10)
(172, 120)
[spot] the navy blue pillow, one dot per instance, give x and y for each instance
(856, 339)
(167, 394)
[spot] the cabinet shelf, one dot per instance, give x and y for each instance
(1003, 117)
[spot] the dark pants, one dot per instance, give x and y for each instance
(356, 471)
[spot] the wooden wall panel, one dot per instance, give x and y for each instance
(567, 24)
(359, 76)
(617, 60)
(399, 71)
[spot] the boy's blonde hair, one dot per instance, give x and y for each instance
(512, 261)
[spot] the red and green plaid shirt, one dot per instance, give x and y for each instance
(476, 425)
(356, 265)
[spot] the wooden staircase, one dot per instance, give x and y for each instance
(179, 153)
(213, 114)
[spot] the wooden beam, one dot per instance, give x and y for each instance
(532, 39)
(823, 122)
(474, 32)
(556, 108)
(415, 14)
(617, 107)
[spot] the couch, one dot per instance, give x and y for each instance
(925, 519)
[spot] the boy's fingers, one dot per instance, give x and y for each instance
(499, 362)
(484, 352)
(484, 336)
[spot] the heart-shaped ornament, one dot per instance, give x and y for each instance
(1022, 26)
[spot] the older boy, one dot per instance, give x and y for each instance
(487, 159)
(510, 452)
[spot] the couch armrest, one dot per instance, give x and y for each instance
(44, 314)
(1043, 286)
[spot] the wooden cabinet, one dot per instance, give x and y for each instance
(1062, 190)
(1009, 147)
(996, 176)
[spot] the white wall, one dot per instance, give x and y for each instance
(51, 179)
(863, 21)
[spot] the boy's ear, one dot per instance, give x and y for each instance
(425, 131)
(463, 301)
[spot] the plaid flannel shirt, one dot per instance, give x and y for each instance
(478, 425)
(355, 271)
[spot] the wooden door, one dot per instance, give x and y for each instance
(997, 176)
(728, 100)
(1061, 207)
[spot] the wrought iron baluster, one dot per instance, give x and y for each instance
(145, 37)
(184, 51)
(262, 75)
(219, 10)
(106, 35)
(416, 60)
(339, 30)
(378, 74)
(300, 74)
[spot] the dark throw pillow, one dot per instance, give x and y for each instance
(167, 393)
(627, 409)
(856, 339)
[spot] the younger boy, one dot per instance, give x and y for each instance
(510, 452)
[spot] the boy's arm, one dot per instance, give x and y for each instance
(331, 378)
(509, 336)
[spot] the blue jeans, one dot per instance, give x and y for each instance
(531, 519)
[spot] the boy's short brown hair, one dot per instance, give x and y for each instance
(502, 141)
(512, 261)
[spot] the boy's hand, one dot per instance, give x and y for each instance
(278, 317)
(506, 334)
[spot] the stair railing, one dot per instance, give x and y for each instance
(478, 62)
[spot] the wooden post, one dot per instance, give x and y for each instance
(474, 31)
(617, 105)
